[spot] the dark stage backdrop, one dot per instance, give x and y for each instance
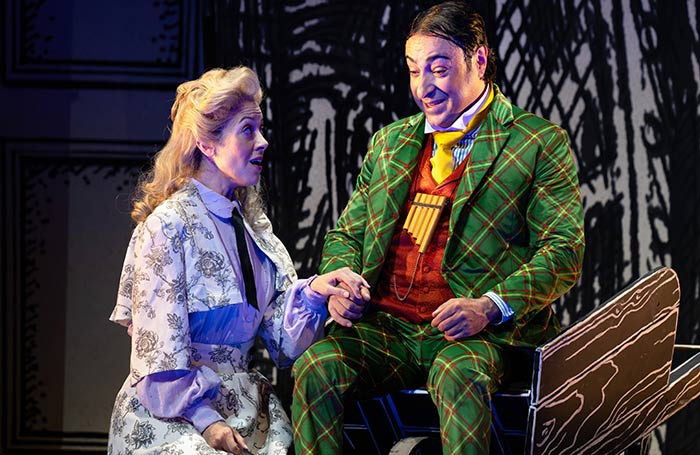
(621, 77)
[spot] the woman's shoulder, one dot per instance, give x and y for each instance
(178, 211)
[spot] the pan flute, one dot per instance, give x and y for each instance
(423, 217)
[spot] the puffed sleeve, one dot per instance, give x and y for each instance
(188, 394)
(295, 315)
(292, 322)
(304, 318)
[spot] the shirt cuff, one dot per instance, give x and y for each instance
(507, 312)
(202, 415)
(313, 300)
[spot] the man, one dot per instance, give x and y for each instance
(503, 205)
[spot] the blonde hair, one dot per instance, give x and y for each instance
(201, 111)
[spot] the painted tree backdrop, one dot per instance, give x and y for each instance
(86, 90)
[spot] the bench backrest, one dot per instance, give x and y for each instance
(591, 381)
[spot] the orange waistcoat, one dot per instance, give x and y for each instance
(429, 289)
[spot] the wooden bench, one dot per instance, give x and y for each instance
(606, 382)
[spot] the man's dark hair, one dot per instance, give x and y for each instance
(459, 23)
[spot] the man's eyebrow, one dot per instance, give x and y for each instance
(431, 58)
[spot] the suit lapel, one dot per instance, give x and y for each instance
(390, 185)
(490, 141)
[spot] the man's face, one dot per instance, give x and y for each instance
(443, 83)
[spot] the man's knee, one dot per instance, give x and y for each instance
(320, 363)
(479, 366)
(307, 364)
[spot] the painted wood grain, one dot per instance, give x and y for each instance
(605, 382)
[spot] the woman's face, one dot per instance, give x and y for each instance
(239, 153)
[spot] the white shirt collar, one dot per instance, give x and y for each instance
(463, 120)
(215, 202)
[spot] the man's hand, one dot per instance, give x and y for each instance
(461, 317)
(347, 292)
(222, 437)
(344, 310)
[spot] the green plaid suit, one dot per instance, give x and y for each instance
(516, 226)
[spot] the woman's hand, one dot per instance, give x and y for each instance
(223, 437)
(347, 292)
(343, 283)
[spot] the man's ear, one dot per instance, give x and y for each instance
(207, 148)
(480, 59)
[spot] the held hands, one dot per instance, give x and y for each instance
(221, 436)
(347, 292)
(462, 317)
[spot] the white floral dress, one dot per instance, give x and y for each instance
(182, 294)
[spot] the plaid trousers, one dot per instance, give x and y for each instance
(380, 354)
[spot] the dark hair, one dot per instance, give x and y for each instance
(459, 23)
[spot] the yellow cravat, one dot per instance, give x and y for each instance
(444, 140)
(442, 160)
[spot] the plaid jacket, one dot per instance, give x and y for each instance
(516, 225)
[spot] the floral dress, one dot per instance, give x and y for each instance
(182, 295)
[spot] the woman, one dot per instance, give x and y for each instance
(183, 293)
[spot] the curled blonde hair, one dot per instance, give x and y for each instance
(202, 109)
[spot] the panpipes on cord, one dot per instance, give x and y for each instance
(423, 217)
